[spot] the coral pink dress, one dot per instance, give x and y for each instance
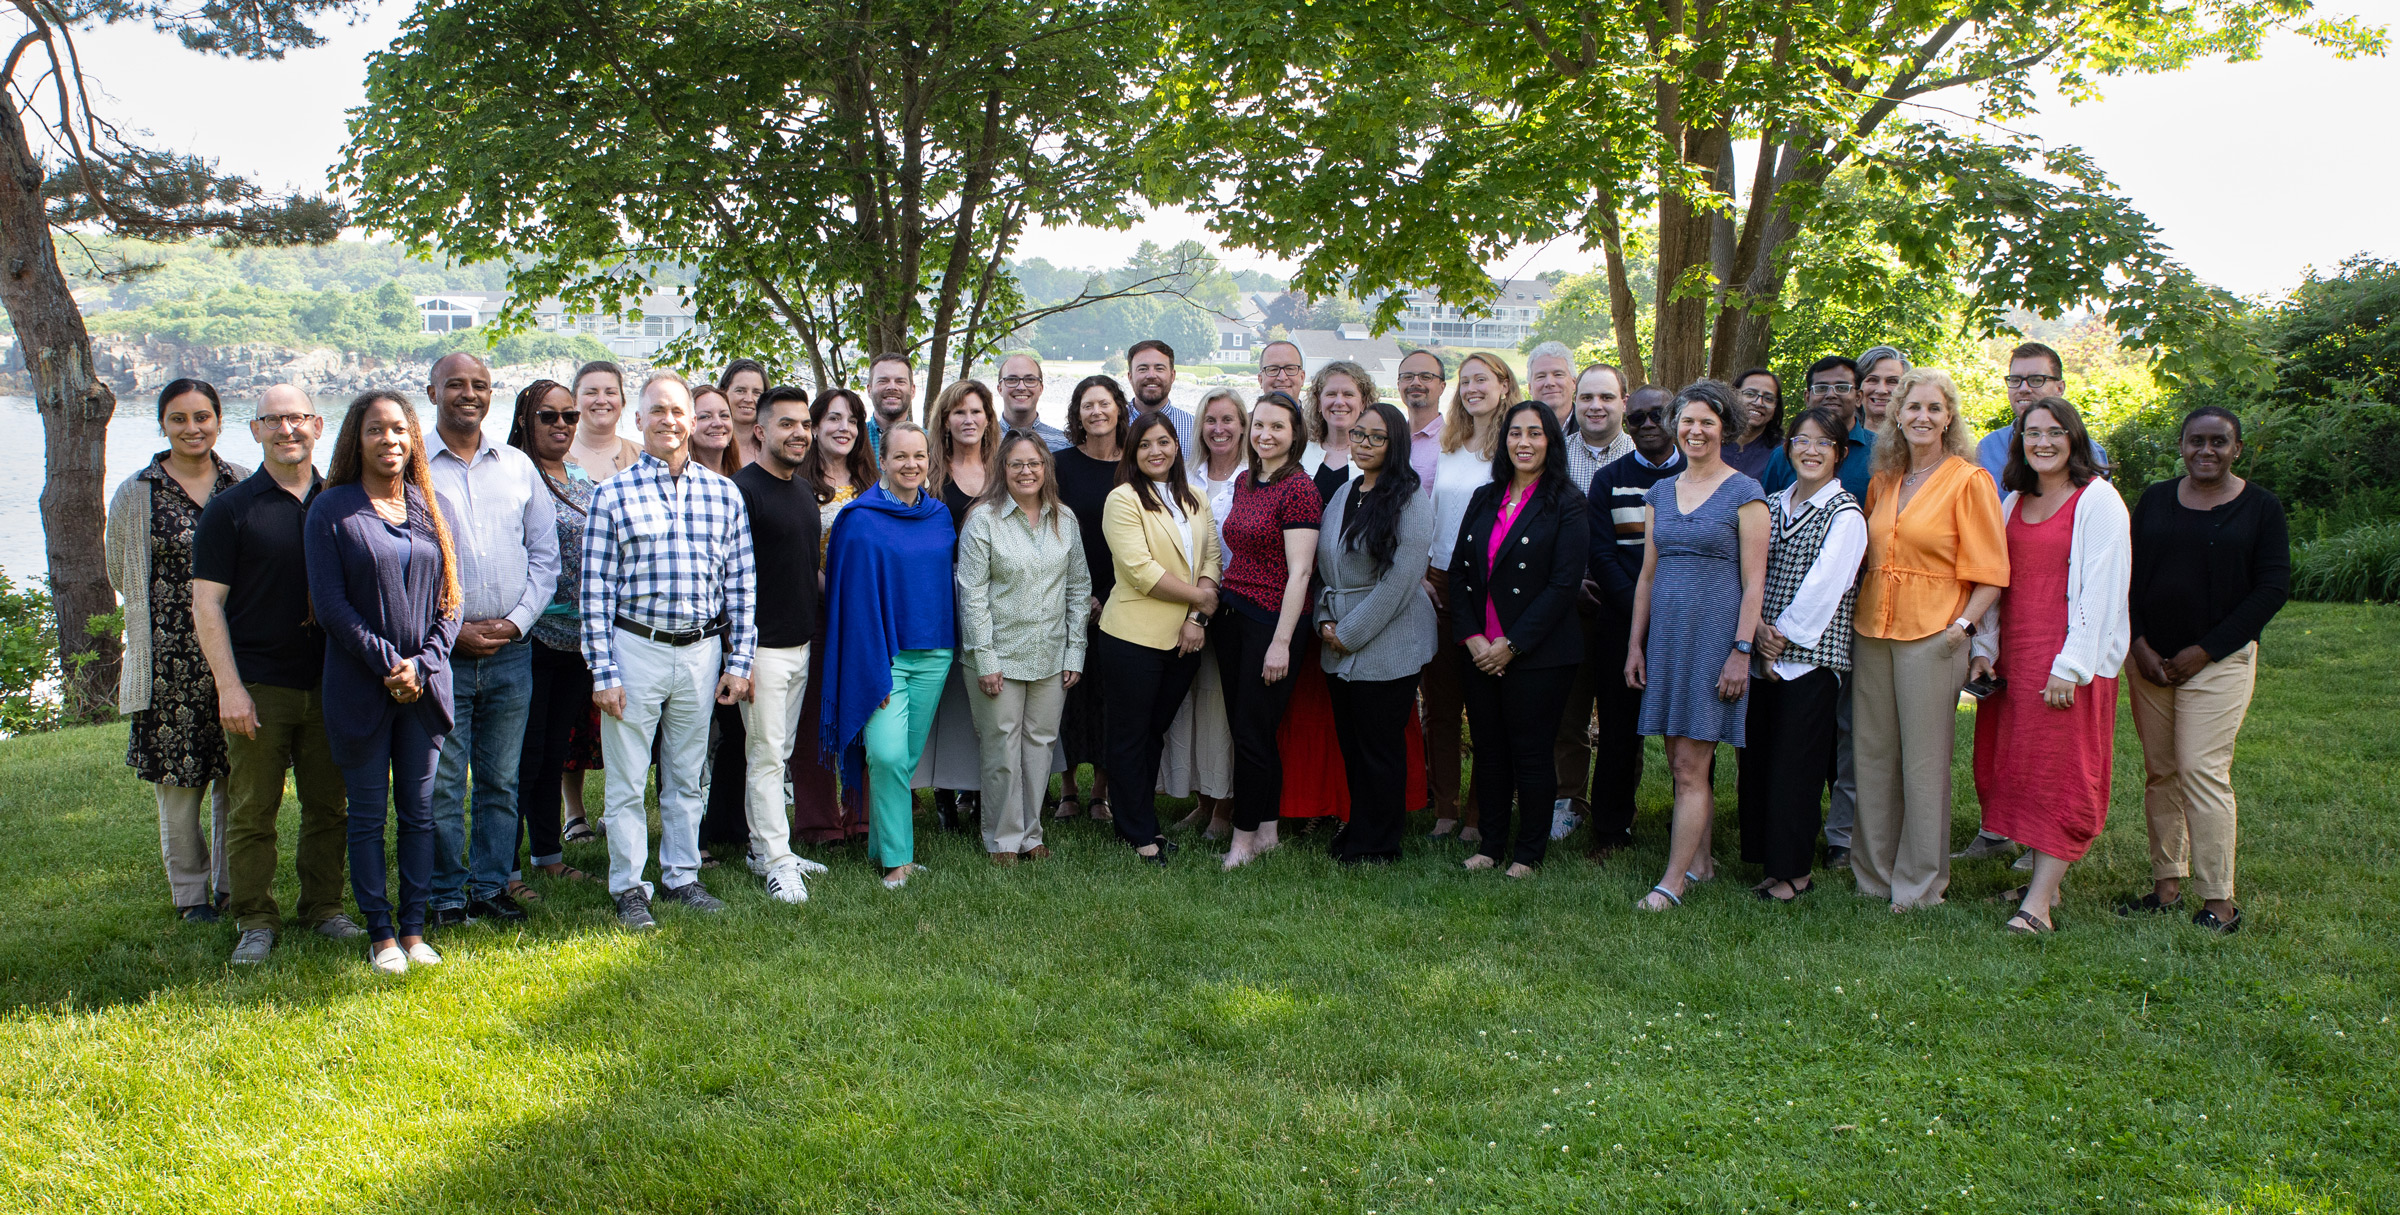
(2042, 774)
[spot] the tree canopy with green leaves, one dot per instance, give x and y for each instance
(1389, 144)
(841, 179)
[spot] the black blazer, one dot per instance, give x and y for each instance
(1542, 561)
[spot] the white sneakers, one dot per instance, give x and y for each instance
(784, 884)
(808, 867)
(1563, 819)
(393, 960)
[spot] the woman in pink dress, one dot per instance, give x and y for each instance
(2054, 643)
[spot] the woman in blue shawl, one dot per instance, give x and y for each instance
(890, 623)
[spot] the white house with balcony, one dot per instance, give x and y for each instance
(1514, 310)
(663, 319)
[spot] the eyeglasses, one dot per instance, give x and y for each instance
(2032, 381)
(286, 421)
(1362, 437)
(1419, 377)
(1831, 390)
(1280, 369)
(2052, 434)
(1018, 466)
(1760, 395)
(552, 417)
(1804, 443)
(1020, 381)
(1652, 416)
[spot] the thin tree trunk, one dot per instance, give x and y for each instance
(1620, 296)
(962, 241)
(75, 409)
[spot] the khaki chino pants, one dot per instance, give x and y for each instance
(2187, 735)
(1904, 707)
(1017, 729)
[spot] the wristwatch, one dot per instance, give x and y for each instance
(1964, 623)
(1196, 617)
(1741, 647)
(1512, 646)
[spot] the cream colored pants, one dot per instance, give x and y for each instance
(2187, 737)
(1904, 723)
(1015, 730)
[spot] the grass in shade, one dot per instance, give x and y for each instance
(1090, 1034)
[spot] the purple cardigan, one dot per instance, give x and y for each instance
(373, 617)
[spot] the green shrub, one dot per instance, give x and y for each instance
(2360, 564)
(531, 346)
(28, 661)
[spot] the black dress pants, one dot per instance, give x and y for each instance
(1617, 756)
(1144, 690)
(562, 694)
(1370, 721)
(1514, 717)
(1783, 770)
(1253, 710)
(726, 822)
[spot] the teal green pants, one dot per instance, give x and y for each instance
(895, 740)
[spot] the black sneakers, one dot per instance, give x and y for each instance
(633, 911)
(692, 895)
(497, 907)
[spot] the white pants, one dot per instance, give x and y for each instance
(778, 691)
(669, 692)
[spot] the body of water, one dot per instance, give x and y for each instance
(133, 439)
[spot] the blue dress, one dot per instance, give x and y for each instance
(1695, 598)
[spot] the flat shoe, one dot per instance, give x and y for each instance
(422, 954)
(388, 959)
(2208, 919)
(1671, 900)
(2026, 924)
(2130, 905)
(1039, 852)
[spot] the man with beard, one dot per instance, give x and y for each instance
(891, 387)
(1150, 366)
(1021, 394)
(1617, 534)
(1422, 377)
(505, 531)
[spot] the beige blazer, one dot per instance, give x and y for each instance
(1143, 546)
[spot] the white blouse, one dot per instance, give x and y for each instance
(1803, 621)
(1456, 477)
(2099, 589)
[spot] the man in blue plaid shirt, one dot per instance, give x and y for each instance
(667, 572)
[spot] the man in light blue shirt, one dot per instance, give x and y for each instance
(1021, 384)
(2034, 372)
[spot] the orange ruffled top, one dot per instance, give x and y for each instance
(1921, 561)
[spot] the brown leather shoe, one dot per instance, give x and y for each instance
(1004, 859)
(1039, 852)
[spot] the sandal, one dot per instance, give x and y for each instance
(2026, 924)
(1765, 890)
(577, 831)
(1100, 813)
(1672, 900)
(1068, 808)
(566, 872)
(518, 890)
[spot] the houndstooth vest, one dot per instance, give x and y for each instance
(1792, 547)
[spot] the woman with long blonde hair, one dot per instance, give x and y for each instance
(1485, 387)
(965, 422)
(383, 580)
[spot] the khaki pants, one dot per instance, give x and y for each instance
(291, 738)
(778, 690)
(194, 852)
(2187, 738)
(1904, 710)
(1017, 729)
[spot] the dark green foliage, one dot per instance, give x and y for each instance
(28, 660)
(2339, 337)
(2360, 564)
(531, 346)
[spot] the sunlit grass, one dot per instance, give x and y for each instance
(1093, 1035)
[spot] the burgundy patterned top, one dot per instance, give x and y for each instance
(1255, 570)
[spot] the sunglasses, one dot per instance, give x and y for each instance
(1653, 416)
(552, 417)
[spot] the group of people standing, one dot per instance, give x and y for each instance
(1294, 607)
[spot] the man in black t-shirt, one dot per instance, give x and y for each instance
(784, 526)
(250, 609)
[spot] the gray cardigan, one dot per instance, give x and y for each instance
(125, 550)
(1387, 622)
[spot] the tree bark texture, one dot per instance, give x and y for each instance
(75, 409)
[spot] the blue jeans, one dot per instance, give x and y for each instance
(489, 700)
(401, 770)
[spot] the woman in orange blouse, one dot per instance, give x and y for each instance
(1937, 556)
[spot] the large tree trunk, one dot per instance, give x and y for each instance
(75, 411)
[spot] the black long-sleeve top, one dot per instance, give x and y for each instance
(2211, 578)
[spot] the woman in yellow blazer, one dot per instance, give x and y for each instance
(1163, 541)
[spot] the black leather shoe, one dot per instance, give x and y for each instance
(945, 810)
(448, 917)
(497, 907)
(2208, 919)
(1166, 847)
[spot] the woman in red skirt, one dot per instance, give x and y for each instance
(2055, 642)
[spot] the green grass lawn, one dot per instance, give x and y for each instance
(1093, 1035)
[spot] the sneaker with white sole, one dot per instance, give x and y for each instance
(253, 947)
(422, 954)
(339, 927)
(389, 959)
(784, 884)
(633, 911)
(1563, 819)
(693, 895)
(758, 865)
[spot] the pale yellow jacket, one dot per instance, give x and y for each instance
(1144, 548)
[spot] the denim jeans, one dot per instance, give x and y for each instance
(489, 698)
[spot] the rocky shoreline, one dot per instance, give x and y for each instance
(133, 366)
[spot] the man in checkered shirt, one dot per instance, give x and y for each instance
(667, 573)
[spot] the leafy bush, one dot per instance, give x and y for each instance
(532, 346)
(2360, 564)
(383, 322)
(28, 661)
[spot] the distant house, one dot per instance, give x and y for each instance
(1353, 343)
(1515, 309)
(1234, 342)
(663, 319)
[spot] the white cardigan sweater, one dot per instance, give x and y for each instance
(2099, 582)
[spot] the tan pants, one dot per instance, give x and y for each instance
(194, 851)
(1015, 731)
(1904, 722)
(2187, 737)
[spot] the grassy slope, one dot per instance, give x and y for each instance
(1090, 1035)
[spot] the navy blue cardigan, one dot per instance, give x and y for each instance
(373, 617)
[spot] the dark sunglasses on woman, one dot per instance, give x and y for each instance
(552, 417)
